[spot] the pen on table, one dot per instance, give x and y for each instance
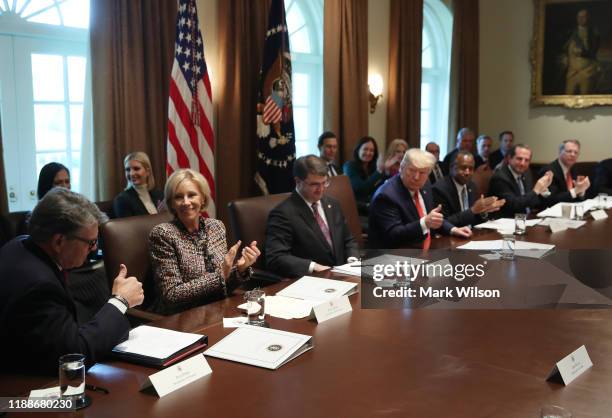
(96, 389)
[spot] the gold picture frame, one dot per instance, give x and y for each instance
(571, 53)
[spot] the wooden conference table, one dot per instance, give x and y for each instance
(394, 362)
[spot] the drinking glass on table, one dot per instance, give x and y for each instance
(72, 378)
(256, 307)
(602, 200)
(520, 223)
(508, 244)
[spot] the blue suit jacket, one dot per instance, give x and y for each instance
(394, 220)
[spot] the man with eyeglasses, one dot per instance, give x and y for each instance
(566, 186)
(38, 321)
(308, 232)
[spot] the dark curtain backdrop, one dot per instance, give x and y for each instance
(463, 110)
(345, 71)
(242, 29)
(404, 101)
(3, 196)
(132, 45)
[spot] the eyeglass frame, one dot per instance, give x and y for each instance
(90, 242)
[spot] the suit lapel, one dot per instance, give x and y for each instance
(456, 204)
(308, 217)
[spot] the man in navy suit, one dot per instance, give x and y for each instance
(513, 182)
(497, 157)
(603, 178)
(456, 193)
(566, 186)
(465, 141)
(308, 232)
(38, 319)
(402, 211)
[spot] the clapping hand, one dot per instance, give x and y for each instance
(248, 257)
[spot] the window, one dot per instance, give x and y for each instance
(436, 50)
(305, 25)
(45, 94)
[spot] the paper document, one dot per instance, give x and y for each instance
(505, 224)
(349, 269)
(317, 289)
(156, 342)
(262, 347)
(496, 245)
(556, 210)
(288, 308)
(235, 322)
(562, 223)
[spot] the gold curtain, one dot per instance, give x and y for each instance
(132, 46)
(242, 29)
(345, 69)
(404, 101)
(463, 104)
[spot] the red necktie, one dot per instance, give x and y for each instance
(569, 181)
(322, 225)
(421, 212)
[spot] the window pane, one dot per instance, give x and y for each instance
(301, 148)
(427, 58)
(300, 89)
(425, 99)
(295, 19)
(75, 13)
(76, 126)
(33, 7)
(76, 78)
(75, 172)
(425, 125)
(300, 123)
(300, 41)
(50, 127)
(49, 157)
(50, 17)
(47, 77)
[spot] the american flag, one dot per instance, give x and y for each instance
(191, 142)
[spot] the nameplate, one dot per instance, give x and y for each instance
(175, 377)
(332, 308)
(599, 214)
(572, 366)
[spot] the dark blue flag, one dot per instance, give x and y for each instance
(275, 134)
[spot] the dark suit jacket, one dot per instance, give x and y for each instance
(394, 220)
(38, 320)
(432, 176)
(602, 181)
(495, 158)
(450, 157)
(294, 239)
(445, 194)
(558, 187)
(504, 186)
(127, 203)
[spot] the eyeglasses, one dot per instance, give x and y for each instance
(324, 184)
(90, 242)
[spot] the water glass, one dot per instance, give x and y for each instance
(520, 223)
(566, 211)
(554, 411)
(508, 243)
(602, 200)
(579, 212)
(72, 378)
(256, 307)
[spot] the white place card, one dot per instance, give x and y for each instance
(599, 214)
(557, 227)
(572, 365)
(332, 308)
(178, 375)
(48, 393)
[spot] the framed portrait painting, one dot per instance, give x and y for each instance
(572, 53)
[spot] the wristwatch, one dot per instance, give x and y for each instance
(122, 300)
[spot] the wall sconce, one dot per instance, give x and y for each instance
(375, 85)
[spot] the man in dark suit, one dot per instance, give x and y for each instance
(38, 319)
(602, 182)
(513, 182)
(506, 141)
(436, 171)
(456, 193)
(308, 232)
(328, 150)
(402, 210)
(465, 141)
(566, 186)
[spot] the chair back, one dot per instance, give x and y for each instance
(482, 178)
(340, 189)
(106, 206)
(249, 217)
(126, 241)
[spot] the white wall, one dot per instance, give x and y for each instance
(378, 62)
(506, 28)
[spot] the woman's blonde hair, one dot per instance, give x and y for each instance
(143, 159)
(393, 146)
(177, 178)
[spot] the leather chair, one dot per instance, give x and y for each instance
(106, 206)
(482, 180)
(248, 219)
(340, 189)
(126, 242)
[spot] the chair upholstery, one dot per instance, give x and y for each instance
(248, 218)
(482, 180)
(106, 206)
(341, 190)
(126, 242)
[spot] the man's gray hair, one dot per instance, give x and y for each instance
(571, 141)
(482, 138)
(62, 212)
(418, 158)
(463, 132)
(309, 164)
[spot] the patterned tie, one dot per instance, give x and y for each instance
(322, 224)
(421, 212)
(569, 181)
(521, 185)
(464, 197)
